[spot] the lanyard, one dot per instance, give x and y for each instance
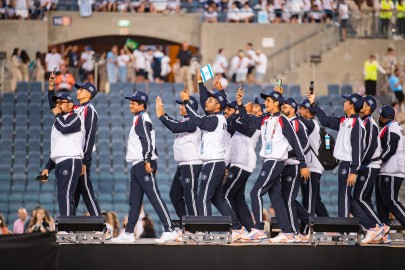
(273, 131)
(365, 121)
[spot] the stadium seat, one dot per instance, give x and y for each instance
(31, 197)
(105, 197)
(16, 196)
(120, 197)
(46, 198)
(333, 90)
(35, 88)
(33, 187)
(121, 207)
(347, 89)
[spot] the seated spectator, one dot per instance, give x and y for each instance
(10, 10)
(123, 5)
(116, 223)
(109, 224)
(148, 228)
(157, 6)
(233, 13)
(295, 9)
(112, 6)
(50, 220)
(316, 15)
(3, 5)
(223, 5)
(246, 13)
(210, 15)
(173, 6)
(137, 6)
(20, 222)
(100, 5)
(39, 222)
(3, 227)
(22, 9)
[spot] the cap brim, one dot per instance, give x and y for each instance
(179, 102)
(264, 96)
(346, 97)
(77, 86)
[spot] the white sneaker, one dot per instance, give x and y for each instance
(124, 238)
(373, 233)
(283, 238)
(167, 236)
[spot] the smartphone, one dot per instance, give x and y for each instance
(279, 82)
(41, 177)
(311, 87)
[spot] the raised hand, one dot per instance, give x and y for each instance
(160, 111)
(239, 96)
(217, 84)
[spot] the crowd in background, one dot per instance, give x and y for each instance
(40, 220)
(143, 64)
(362, 12)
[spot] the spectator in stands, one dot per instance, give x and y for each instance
(140, 64)
(15, 68)
(19, 223)
(233, 14)
(328, 10)
(173, 6)
(386, 8)
(22, 7)
(278, 10)
(3, 226)
(52, 60)
(166, 68)
(210, 15)
(115, 223)
(390, 62)
(123, 5)
(157, 65)
(39, 222)
(102, 73)
(39, 70)
(87, 64)
(400, 7)
(111, 61)
(306, 11)
(295, 8)
(396, 85)
(246, 13)
(3, 5)
(148, 228)
(112, 5)
(50, 220)
(148, 63)
(266, 221)
(220, 64)
(100, 5)
(251, 55)
(138, 5)
(25, 61)
(343, 18)
(71, 53)
(10, 10)
(123, 61)
(371, 66)
(316, 15)
(261, 66)
(64, 81)
(183, 58)
(240, 65)
(109, 224)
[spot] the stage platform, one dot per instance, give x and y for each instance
(40, 251)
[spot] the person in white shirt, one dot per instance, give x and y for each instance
(165, 67)
(210, 15)
(278, 10)
(88, 63)
(261, 66)
(233, 14)
(328, 9)
(123, 60)
(251, 55)
(21, 8)
(246, 13)
(316, 15)
(307, 10)
(220, 64)
(343, 18)
(52, 60)
(140, 64)
(295, 8)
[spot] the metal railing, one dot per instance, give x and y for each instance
(297, 52)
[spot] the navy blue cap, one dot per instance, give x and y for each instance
(220, 96)
(276, 95)
(257, 102)
(62, 96)
(387, 111)
(89, 87)
(192, 101)
(305, 103)
(291, 102)
(138, 96)
(232, 104)
(371, 102)
(356, 99)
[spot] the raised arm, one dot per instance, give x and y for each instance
(71, 124)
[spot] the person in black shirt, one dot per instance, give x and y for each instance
(183, 59)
